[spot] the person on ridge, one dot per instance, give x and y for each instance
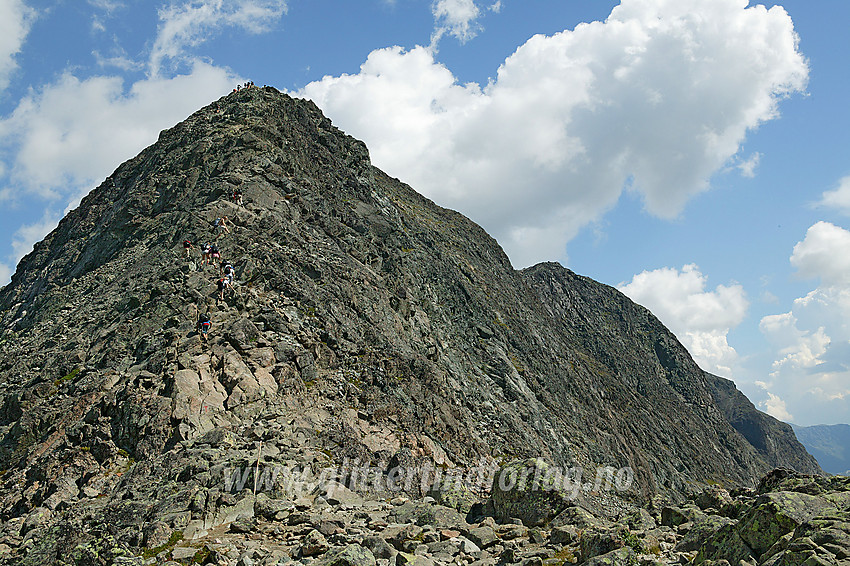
(225, 284)
(205, 254)
(188, 246)
(215, 255)
(228, 271)
(221, 224)
(204, 325)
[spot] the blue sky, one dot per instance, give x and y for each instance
(692, 153)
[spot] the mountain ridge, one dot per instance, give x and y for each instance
(397, 329)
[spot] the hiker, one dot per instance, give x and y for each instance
(228, 271)
(223, 285)
(237, 196)
(214, 253)
(188, 246)
(204, 324)
(221, 224)
(205, 254)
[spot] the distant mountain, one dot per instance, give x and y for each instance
(830, 444)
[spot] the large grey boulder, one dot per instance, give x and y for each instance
(351, 555)
(529, 490)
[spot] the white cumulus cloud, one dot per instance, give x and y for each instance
(824, 254)
(15, 21)
(455, 17)
(657, 97)
(839, 198)
(73, 133)
(189, 24)
(811, 342)
(748, 166)
(775, 407)
(700, 318)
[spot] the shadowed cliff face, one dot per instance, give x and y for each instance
(370, 321)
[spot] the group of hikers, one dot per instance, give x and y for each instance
(249, 84)
(211, 255)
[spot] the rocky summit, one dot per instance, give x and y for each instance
(376, 384)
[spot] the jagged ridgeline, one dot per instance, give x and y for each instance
(366, 322)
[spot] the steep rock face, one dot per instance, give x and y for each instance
(643, 377)
(774, 440)
(368, 323)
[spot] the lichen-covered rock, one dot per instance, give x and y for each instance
(674, 516)
(774, 514)
(641, 520)
(337, 494)
(616, 557)
(529, 490)
(701, 530)
(779, 527)
(350, 555)
(598, 542)
(451, 492)
(314, 543)
(818, 541)
(713, 497)
(197, 403)
(580, 518)
(422, 513)
(725, 544)
(379, 547)
(483, 537)
(272, 509)
(563, 535)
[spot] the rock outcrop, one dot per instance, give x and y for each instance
(367, 325)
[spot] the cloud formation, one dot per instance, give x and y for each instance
(189, 24)
(824, 254)
(748, 166)
(15, 21)
(701, 319)
(812, 340)
(656, 98)
(839, 198)
(74, 132)
(775, 407)
(456, 18)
